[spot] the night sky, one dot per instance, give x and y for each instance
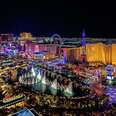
(65, 18)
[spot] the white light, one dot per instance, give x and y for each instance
(54, 87)
(54, 84)
(28, 75)
(44, 80)
(25, 75)
(110, 81)
(69, 89)
(39, 76)
(10, 44)
(33, 72)
(110, 77)
(43, 84)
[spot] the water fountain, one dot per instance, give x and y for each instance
(28, 74)
(43, 80)
(33, 72)
(54, 87)
(43, 84)
(68, 91)
(39, 77)
(25, 75)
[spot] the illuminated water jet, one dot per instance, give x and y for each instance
(39, 77)
(54, 87)
(43, 84)
(68, 91)
(33, 72)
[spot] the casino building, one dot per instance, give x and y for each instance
(96, 50)
(32, 46)
(99, 50)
